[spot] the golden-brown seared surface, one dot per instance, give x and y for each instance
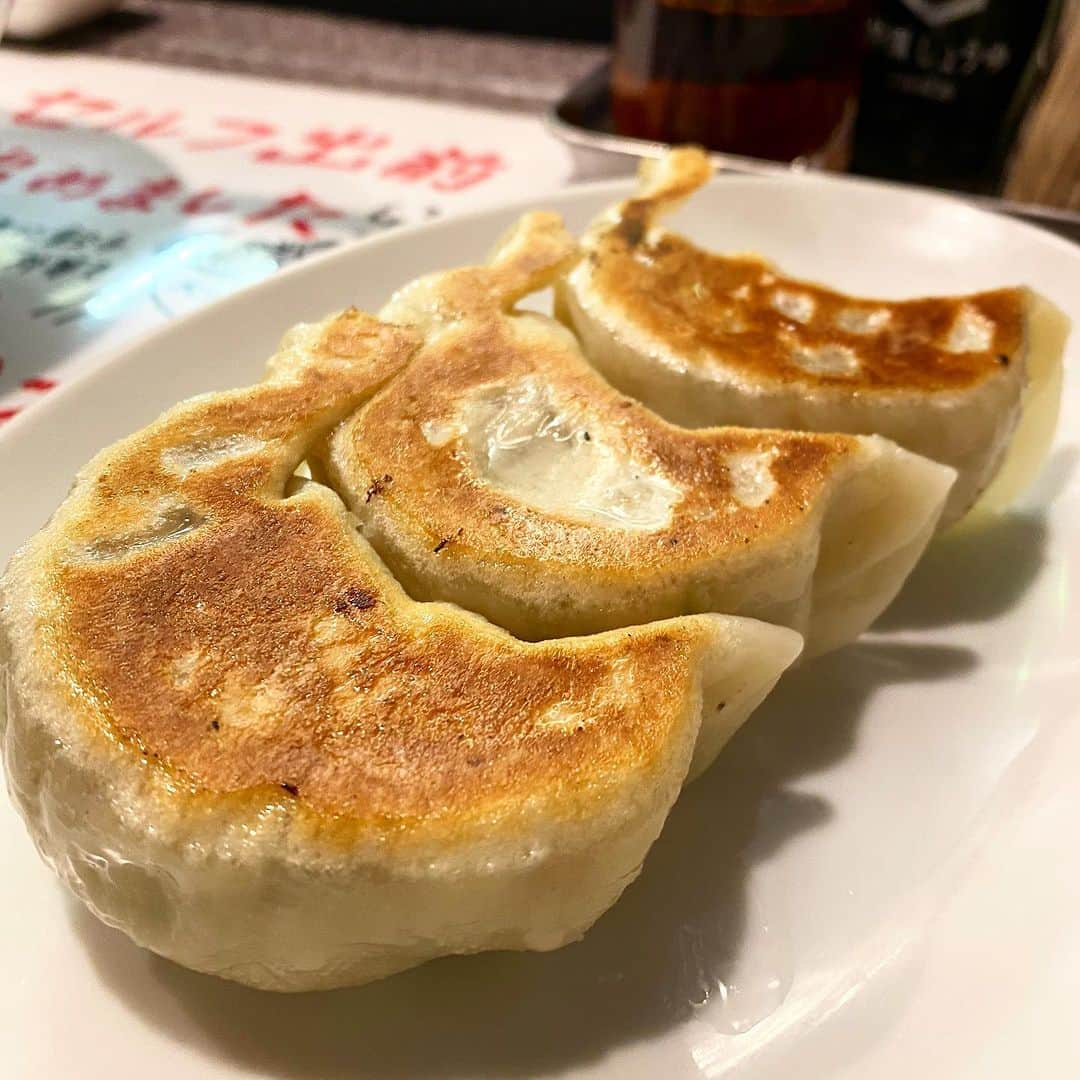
(438, 490)
(242, 641)
(731, 309)
(474, 346)
(707, 306)
(263, 652)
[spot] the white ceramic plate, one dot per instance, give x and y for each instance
(879, 877)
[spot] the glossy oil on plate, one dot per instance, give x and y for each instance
(877, 879)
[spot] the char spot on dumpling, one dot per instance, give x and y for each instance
(354, 599)
(826, 359)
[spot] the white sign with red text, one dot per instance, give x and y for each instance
(130, 193)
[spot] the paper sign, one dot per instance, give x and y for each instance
(131, 193)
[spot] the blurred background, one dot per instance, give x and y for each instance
(157, 154)
(975, 95)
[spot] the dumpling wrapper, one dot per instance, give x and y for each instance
(502, 473)
(709, 339)
(236, 739)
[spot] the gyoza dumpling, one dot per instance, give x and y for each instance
(710, 339)
(237, 739)
(502, 473)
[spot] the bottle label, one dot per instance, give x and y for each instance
(942, 50)
(940, 87)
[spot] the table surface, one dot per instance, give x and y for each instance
(335, 50)
(492, 70)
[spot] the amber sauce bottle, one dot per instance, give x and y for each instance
(766, 78)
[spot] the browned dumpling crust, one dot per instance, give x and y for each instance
(237, 739)
(741, 311)
(707, 338)
(501, 472)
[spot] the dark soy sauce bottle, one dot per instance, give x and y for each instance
(766, 78)
(945, 87)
